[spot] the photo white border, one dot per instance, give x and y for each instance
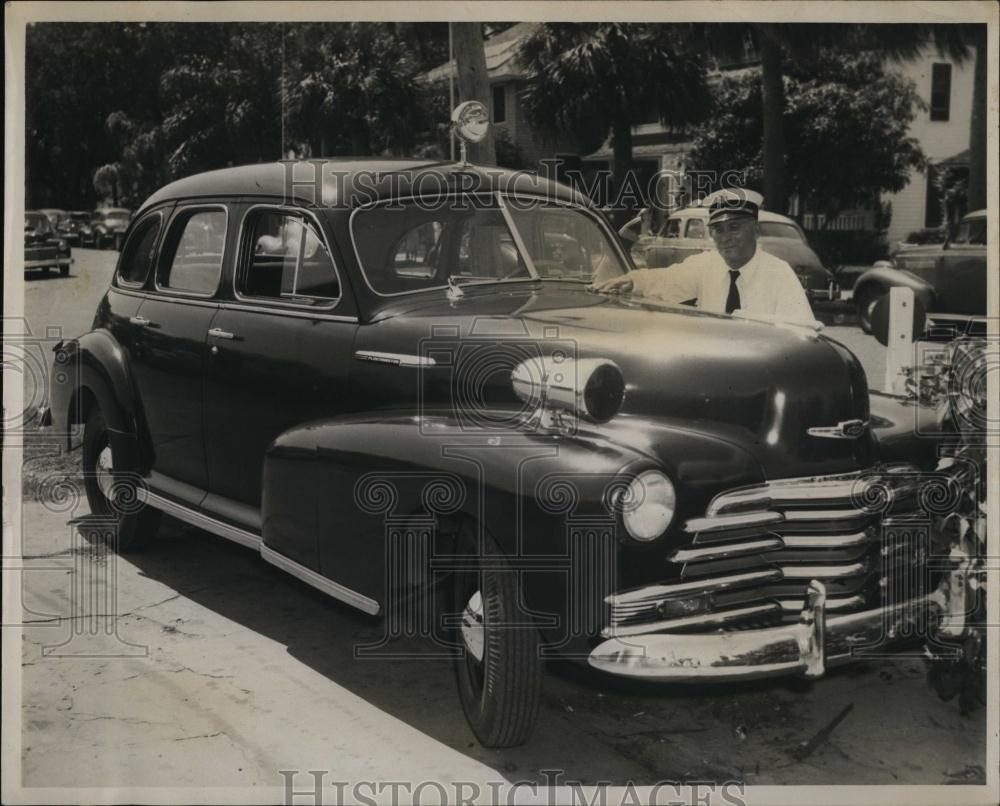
(18, 14)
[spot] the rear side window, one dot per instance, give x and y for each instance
(138, 254)
(673, 228)
(288, 261)
(193, 256)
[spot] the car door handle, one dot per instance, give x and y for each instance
(141, 321)
(218, 333)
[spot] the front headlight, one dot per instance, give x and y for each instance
(649, 505)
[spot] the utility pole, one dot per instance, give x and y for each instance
(473, 81)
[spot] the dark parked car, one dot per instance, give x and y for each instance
(107, 227)
(43, 249)
(74, 227)
(949, 278)
(685, 233)
(391, 380)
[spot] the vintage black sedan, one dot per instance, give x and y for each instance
(390, 379)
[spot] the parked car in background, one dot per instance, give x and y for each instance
(43, 249)
(686, 233)
(411, 400)
(55, 216)
(108, 227)
(74, 226)
(949, 279)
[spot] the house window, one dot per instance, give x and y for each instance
(932, 204)
(940, 91)
(499, 103)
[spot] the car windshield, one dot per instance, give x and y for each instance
(779, 229)
(410, 247)
(36, 221)
(83, 217)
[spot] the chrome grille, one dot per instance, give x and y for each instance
(750, 558)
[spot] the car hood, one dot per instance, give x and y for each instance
(757, 384)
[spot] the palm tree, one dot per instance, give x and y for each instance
(603, 78)
(776, 44)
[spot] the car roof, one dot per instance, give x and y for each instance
(764, 215)
(351, 182)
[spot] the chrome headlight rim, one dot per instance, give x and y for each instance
(647, 505)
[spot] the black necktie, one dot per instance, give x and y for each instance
(733, 300)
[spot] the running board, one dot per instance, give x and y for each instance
(252, 541)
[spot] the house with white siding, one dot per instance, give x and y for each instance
(942, 129)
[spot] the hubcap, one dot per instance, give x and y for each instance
(105, 472)
(473, 628)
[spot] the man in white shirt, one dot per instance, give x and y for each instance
(738, 276)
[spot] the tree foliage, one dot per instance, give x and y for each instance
(846, 123)
(152, 102)
(601, 79)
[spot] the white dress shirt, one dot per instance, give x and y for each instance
(768, 286)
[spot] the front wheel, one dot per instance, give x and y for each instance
(499, 671)
(112, 489)
(64, 271)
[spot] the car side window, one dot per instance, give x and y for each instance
(193, 258)
(695, 229)
(138, 254)
(673, 228)
(287, 261)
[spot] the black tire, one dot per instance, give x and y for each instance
(500, 684)
(865, 302)
(98, 241)
(111, 489)
(64, 271)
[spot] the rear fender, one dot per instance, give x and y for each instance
(94, 370)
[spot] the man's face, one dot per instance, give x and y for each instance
(736, 239)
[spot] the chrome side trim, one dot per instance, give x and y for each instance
(328, 586)
(298, 312)
(395, 359)
(720, 522)
(654, 593)
(847, 429)
(253, 541)
(698, 620)
(202, 521)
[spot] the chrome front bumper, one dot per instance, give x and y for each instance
(806, 647)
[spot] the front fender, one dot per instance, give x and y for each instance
(344, 495)
(886, 277)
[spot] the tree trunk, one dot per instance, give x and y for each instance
(773, 97)
(977, 131)
(473, 82)
(621, 162)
